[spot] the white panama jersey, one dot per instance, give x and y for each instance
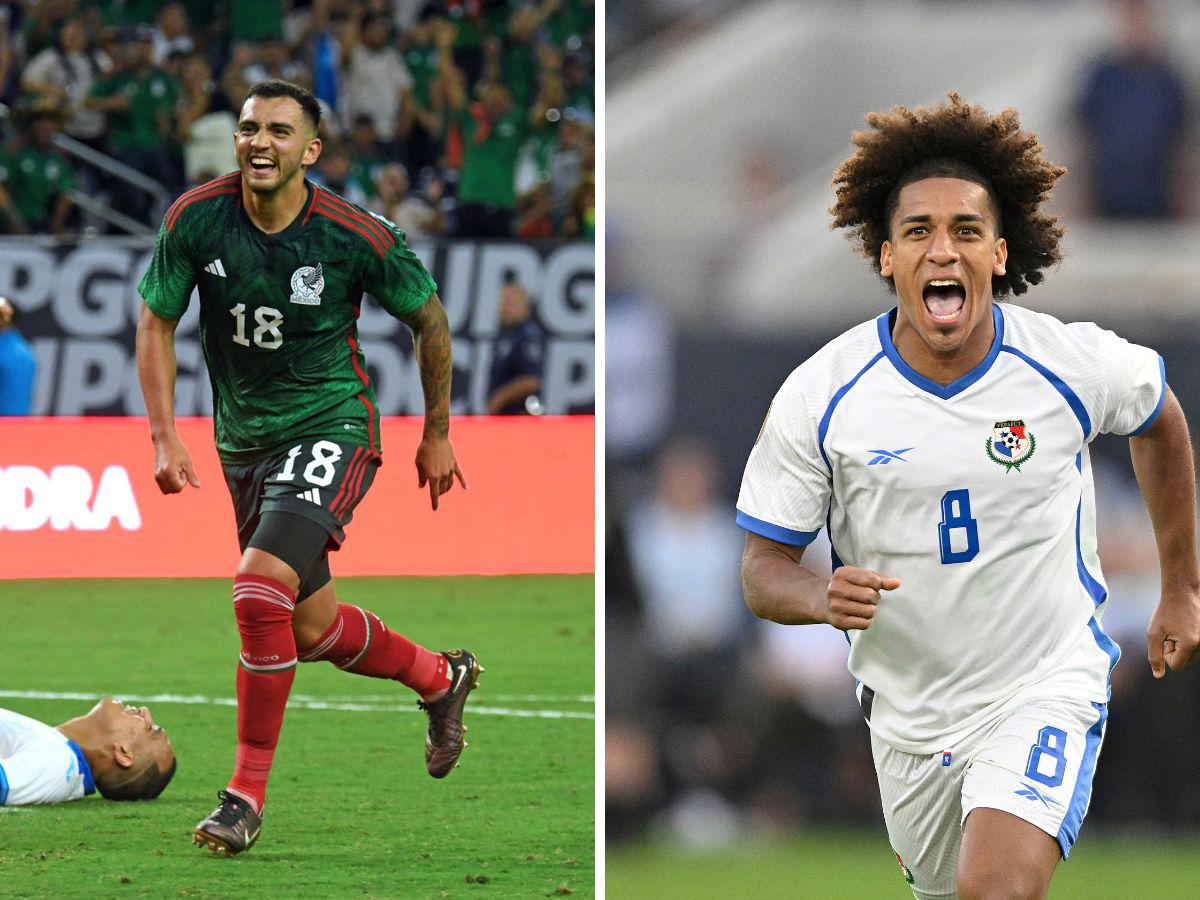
(976, 495)
(39, 764)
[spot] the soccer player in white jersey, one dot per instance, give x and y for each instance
(944, 445)
(115, 749)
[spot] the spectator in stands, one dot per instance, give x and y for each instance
(173, 34)
(423, 146)
(516, 377)
(333, 172)
(1135, 117)
(204, 123)
(42, 24)
(581, 220)
(376, 82)
(493, 132)
(417, 214)
(367, 163)
(36, 176)
(63, 75)
(17, 365)
(139, 100)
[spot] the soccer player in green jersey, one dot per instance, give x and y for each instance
(281, 267)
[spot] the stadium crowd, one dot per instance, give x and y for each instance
(469, 118)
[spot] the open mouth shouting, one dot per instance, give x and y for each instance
(944, 299)
(262, 165)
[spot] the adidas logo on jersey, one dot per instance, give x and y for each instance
(312, 496)
(215, 268)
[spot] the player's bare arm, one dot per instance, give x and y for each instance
(156, 367)
(1162, 460)
(777, 586)
(436, 465)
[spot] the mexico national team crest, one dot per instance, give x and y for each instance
(1011, 444)
(307, 284)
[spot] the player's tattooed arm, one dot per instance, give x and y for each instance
(431, 341)
(436, 465)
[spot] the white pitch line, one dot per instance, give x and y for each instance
(298, 703)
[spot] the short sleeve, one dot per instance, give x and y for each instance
(42, 772)
(167, 285)
(1135, 383)
(786, 486)
(397, 279)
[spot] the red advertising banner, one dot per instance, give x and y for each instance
(78, 500)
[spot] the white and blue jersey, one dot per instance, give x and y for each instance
(39, 764)
(976, 495)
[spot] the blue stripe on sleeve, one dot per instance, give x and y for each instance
(3, 787)
(1073, 401)
(776, 532)
(1162, 395)
(89, 784)
(823, 428)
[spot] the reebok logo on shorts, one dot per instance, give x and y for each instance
(1031, 794)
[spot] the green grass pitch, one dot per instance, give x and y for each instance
(351, 811)
(859, 865)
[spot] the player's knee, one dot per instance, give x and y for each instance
(261, 605)
(998, 880)
(307, 637)
(262, 564)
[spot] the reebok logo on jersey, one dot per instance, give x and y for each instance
(883, 457)
(312, 495)
(1010, 445)
(1031, 793)
(215, 268)
(307, 284)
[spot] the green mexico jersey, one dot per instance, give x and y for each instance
(278, 312)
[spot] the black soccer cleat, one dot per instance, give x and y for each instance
(444, 741)
(232, 827)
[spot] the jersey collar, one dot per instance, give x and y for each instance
(944, 391)
(89, 783)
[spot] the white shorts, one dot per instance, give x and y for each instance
(1035, 761)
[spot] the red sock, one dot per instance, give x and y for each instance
(359, 642)
(264, 678)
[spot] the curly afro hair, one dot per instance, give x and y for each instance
(954, 140)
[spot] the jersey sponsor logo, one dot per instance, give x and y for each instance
(1031, 794)
(307, 284)
(883, 457)
(66, 499)
(1011, 444)
(312, 496)
(215, 268)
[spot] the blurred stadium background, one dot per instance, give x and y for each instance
(109, 110)
(724, 124)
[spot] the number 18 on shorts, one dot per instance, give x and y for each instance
(322, 480)
(1035, 761)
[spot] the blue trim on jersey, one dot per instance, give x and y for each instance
(1069, 830)
(776, 532)
(89, 784)
(1073, 401)
(944, 391)
(823, 429)
(1162, 395)
(3, 787)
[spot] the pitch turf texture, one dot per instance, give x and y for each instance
(848, 865)
(351, 811)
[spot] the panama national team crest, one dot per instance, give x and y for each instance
(1011, 444)
(307, 284)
